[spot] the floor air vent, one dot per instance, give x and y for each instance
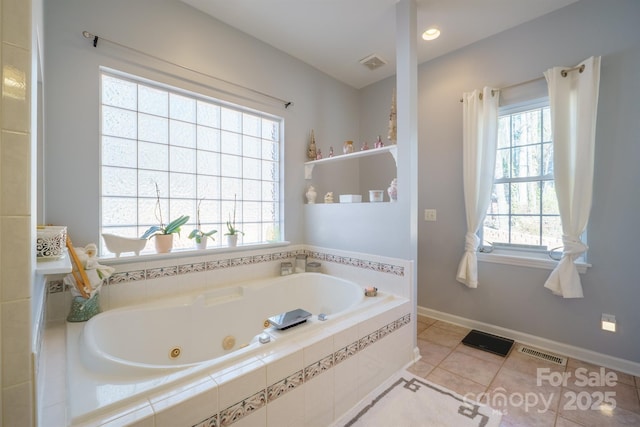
(562, 361)
(488, 342)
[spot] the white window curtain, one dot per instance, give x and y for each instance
(573, 99)
(479, 140)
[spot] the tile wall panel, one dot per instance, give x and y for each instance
(15, 213)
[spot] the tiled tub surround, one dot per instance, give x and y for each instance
(197, 395)
(139, 282)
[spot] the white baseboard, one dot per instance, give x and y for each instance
(562, 349)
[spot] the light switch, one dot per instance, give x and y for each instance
(430, 215)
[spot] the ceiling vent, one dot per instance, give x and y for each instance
(373, 62)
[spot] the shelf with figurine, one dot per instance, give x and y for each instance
(348, 153)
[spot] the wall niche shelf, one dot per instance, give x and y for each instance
(391, 149)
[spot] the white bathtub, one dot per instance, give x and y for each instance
(119, 362)
(191, 330)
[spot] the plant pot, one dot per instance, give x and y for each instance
(202, 244)
(232, 240)
(164, 243)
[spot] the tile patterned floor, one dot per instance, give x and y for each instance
(529, 391)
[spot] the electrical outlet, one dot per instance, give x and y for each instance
(430, 215)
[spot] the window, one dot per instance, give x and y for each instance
(523, 213)
(196, 150)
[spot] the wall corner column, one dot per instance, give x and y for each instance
(407, 117)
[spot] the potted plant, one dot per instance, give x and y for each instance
(197, 233)
(232, 233)
(164, 233)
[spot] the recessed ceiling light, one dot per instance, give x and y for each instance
(431, 34)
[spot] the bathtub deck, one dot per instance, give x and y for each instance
(300, 376)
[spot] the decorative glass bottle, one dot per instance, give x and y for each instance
(348, 147)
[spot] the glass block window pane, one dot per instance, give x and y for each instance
(182, 108)
(152, 128)
(119, 93)
(165, 150)
(231, 120)
(119, 152)
(119, 122)
(153, 101)
(208, 114)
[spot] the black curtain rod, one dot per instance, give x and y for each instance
(89, 35)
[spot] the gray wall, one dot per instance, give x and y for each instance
(514, 297)
(511, 297)
(172, 30)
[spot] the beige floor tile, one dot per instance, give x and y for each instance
(480, 354)
(516, 385)
(469, 367)
(460, 385)
(563, 422)
(594, 370)
(442, 336)
(592, 417)
(431, 352)
(625, 396)
(452, 328)
(426, 320)
(468, 371)
(421, 368)
(517, 416)
(420, 327)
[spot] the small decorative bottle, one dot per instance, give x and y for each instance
(393, 120)
(311, 151)
(319, 155)
(331, 151)
(379, 143)
(393, 190)
(365, 146)
(348, 147)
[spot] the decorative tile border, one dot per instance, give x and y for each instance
(173, 270)
(319, 367)
(127, 276)
(55, 286)
(209, 422)
(281, 387)
(260, 399)
(241, 409)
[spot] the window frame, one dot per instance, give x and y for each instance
(518, 254)
(179, 88)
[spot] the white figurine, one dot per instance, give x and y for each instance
(328, 198)
(393, 190)
(311, 195)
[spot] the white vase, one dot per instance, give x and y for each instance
(393, 190)
(232, 240)
(202, 244)
(311, 195)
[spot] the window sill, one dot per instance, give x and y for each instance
(110, 259)
(532, 260)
